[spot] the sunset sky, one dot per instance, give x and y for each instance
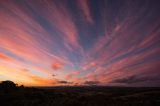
(80, 42)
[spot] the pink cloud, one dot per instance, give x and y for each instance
(57, 66)
(72, 75)
(83, 5)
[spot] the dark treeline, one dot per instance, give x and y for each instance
(13, 95)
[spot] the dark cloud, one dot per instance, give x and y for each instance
(91, 82)
(53, 75)
(64, 82)
(137, 79)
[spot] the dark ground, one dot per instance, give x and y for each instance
(80, 96)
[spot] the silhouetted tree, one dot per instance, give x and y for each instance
(7, 86)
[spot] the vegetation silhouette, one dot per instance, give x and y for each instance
(13, 95)
(8, 84)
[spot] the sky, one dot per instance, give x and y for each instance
(80, 42)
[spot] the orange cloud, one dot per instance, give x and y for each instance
(4, 57)
(23, 76)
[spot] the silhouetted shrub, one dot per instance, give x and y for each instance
(22, 86)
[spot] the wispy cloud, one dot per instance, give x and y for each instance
(5, 57)
(84, 6)
(84, 40)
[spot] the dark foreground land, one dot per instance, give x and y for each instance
(80, 96)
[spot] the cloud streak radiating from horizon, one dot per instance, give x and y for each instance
(103, 42)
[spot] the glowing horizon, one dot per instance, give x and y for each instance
(76, 42)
